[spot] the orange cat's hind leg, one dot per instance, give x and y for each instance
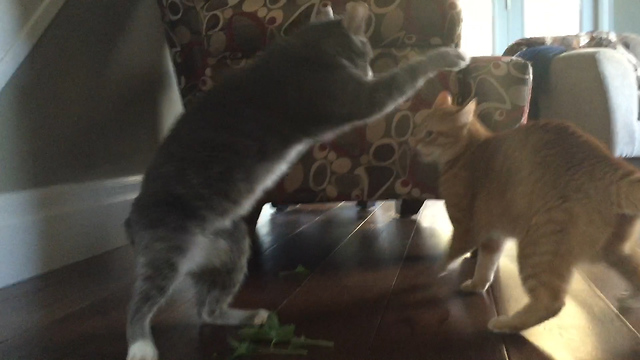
(628, 265)
(621, 254)
(545, 274)
(545, 301)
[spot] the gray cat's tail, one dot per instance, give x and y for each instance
(627, 194)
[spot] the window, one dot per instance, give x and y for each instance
(489, 26)
(551, 17)
(477, 27)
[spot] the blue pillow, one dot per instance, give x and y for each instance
(540, 58)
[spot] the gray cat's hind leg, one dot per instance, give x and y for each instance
(217, 283)
(157, 270)
(215, 289)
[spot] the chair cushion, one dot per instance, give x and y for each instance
(206, 36)
(502, 86)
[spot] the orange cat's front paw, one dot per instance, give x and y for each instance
(503, 324)
(473, 287)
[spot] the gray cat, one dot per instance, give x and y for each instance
(234, 144)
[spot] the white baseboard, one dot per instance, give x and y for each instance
(20, 31)
(44, 229)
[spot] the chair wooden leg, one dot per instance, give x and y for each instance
(407, 208)
(364, 205)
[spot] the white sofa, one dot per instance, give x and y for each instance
(597, 89)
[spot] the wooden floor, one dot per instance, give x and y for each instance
(373, 291)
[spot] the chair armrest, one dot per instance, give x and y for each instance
(502, 86)
(597, 90)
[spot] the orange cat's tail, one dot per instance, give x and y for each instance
(628, 195)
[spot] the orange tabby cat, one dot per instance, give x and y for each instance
(555, 189)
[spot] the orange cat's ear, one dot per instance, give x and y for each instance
(443, 100)
(465, 115)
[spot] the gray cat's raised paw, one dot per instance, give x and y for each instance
(447, 58)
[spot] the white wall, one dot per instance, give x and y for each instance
(46, 228)
(80, 119)
(21, 24)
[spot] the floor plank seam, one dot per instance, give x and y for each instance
(269, 249)
(114, 288)
(395, 279)
(598, 293)
(492, 296)
(329, 255)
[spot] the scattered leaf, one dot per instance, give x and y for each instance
(300, 271)
(272, 321)
(288, 351)
(244, 348)
(303, 341)
(273, 332)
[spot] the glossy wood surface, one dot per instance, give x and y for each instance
(373, 291)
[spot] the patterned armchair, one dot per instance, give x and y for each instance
(373, 162)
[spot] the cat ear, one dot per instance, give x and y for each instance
(443, 100)
(324, 12)
(355, 19)
(465, 115)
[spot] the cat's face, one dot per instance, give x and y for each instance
(442, 135)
